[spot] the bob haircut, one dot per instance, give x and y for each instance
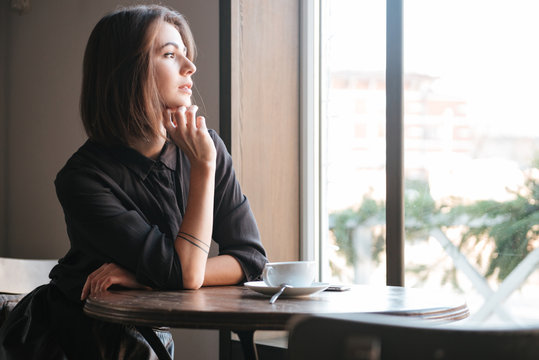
(119, 101)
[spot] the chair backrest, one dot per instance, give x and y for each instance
(20, 276)
(381, 337)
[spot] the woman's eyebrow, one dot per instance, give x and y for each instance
(176, 45)
(171, 43)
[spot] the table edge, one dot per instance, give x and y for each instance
(249, 321)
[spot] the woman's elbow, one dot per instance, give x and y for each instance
(192, 283)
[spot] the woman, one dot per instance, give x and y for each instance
(142, 198)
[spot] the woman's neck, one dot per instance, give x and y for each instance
(150, 149)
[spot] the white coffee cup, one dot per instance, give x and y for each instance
(293, 273)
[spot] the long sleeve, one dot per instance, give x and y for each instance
(122, 207)
(235, 228)
(112, 216)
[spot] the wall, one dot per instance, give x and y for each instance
(44, 60)
(40, 77)
(3, 129)
(265, 117)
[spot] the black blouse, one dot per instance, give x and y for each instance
(123, 207)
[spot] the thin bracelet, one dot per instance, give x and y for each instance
(186, 239)
(194, 238)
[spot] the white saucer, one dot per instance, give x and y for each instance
(262, 288)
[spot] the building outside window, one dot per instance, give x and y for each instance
(471, 148)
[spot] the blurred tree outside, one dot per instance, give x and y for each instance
(508, 230)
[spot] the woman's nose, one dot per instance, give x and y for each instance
(188, 68)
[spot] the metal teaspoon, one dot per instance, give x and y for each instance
(278, 293)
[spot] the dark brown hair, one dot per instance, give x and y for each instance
(119, 100)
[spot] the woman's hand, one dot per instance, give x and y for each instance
(106, 276)
(190, 133)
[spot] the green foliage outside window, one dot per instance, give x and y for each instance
(512, 227)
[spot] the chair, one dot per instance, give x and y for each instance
(18, 277)
(382, 337)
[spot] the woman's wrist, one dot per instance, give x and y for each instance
(203, 167)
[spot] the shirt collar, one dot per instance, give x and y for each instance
(168, 156)
(140, 164)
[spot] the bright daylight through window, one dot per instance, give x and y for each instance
(471, 148)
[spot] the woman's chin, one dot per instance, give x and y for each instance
(184, 101)
(175, 107)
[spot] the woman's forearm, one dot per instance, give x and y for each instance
(192, 244)
(223, 270)
(193, 241)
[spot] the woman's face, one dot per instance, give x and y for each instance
(173, 70)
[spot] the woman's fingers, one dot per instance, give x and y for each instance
(190, 133)
(190, 115)
(106, 276)
(96, 276)
(201, 123)
(182, 119)
(90, 281)
(169, 120)
(85, 291)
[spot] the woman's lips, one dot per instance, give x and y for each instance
(186, 89)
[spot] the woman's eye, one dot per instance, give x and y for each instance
(170, 55)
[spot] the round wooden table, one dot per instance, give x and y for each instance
(242, 310)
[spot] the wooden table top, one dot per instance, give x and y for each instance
(240, 308)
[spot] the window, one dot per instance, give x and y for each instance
(470, 146)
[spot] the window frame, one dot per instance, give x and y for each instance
(314, 224)
(311, 220)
